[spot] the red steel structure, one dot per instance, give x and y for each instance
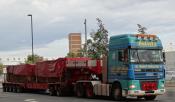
(59, 76)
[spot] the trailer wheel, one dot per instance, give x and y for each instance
(14, 89)
(4, 89)
(89, 91)
(11, 89)
(150, 97)
(8, 89)
(18, 89)
(116, 92)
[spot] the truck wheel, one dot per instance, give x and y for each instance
(11, 89)
(117, 92)
(59, 93)
(80, 90)
(8, 89)
(18, 89)
(52, 92)
(89, 91)
(14, 89)
(4, 89)
(150, 97)
(139, 97)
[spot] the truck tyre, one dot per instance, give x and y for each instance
(89, 91)
(150, 97)
(11, 89)
(52, 92)
(14, 89)
(4, 89)
(80, 90)
(116, 92)
(7, 89)
(139, 97)
(18, 89)
(59, 93)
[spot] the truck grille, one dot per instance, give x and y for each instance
(143, 75)
(148, 85)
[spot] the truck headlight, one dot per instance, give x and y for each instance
(162, 85)
(132, 86)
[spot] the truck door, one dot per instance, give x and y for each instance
(122, 63)
(117, 65)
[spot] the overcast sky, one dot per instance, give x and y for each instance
(54, 19)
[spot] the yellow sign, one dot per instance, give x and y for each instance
(145, 43)
(119, 70)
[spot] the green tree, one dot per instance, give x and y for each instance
(73, 55)
(141, 29)
(1, 68)
(97, 46)
(37, 58)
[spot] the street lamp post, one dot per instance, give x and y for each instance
(85, 37)
(32, 36)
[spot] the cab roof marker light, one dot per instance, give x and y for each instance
(154, 36)
(145, 38)
(156, 39)
(140, 35)
(151, 38)
(139, 38)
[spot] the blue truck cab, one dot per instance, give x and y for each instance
(136, 64)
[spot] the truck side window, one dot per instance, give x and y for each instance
(126, 55)
(121, 55)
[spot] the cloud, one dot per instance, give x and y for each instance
(54, 19)
(55, 49)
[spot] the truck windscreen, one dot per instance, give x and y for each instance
(146, 56)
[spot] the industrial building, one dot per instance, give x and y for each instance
(74, 42)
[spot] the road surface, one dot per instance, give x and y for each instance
(33, 97)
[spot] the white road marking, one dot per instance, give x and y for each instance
(30, 100)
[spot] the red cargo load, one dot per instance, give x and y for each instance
(10, 69)
(94, 66)
(49, 68)
(24, 70)
(54, 68)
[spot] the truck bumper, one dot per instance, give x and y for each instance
(144, 93)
